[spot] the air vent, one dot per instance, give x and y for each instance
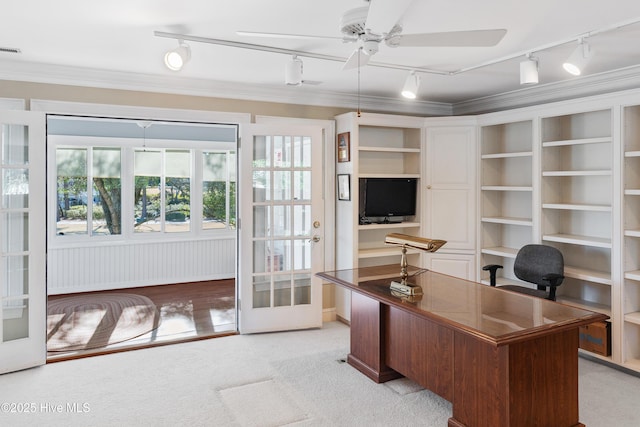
(9, 50)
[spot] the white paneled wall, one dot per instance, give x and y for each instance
(131, 264)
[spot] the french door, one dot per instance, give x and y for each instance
(281, 228)
(22, 241)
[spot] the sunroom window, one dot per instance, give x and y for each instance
(88, 195)
(142, 180)
(218, 190)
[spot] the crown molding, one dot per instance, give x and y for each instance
(595, 84)
(109, 79)
(607, 82)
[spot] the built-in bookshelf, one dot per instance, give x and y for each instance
(630, 333)
(506, 195)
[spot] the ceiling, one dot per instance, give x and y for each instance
(96, 41)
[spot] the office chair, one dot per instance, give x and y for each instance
(539, 264)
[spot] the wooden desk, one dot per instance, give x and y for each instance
(501, 358)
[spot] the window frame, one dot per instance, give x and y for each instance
(127, 147)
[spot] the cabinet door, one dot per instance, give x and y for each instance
(457, 265)
(449, 190)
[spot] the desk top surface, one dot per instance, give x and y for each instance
(491, 314)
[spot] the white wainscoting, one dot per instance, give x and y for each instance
(85, 268)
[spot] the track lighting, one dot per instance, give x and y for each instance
(578, 59)
(176, 59)
(410, 89)
(293, 72)
(529, 71)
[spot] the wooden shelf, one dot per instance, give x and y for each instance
(632, 154)
(389, 149)
(505, 188)
(632, 192)
(507, 155)
(577, 207)
(632, 233)
(597, 242)
(633, 317)
(585, 305)
(579, 141)
(588, 275)
(389, 225)
(632, 275)
(389, 175)
(500, 251)
(600, 172)
(508, 220)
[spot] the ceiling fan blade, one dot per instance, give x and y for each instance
(354, 62)
(384, 14)
(450, 39)
(291, 36)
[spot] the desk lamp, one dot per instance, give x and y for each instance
(407, 241)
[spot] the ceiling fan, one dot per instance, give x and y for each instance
(369, 26)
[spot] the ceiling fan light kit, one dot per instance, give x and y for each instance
(176, 59)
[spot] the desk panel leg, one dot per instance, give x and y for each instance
(528, 383)
(367, 339)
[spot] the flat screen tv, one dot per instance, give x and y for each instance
(388, 197)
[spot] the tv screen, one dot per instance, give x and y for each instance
(386, 197)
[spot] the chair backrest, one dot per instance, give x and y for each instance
(535, 261)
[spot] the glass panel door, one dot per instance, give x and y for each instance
(22, 237)
(281, 225)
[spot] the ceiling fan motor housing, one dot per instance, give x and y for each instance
(353, 21)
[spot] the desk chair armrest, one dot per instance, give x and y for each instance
(492, 268)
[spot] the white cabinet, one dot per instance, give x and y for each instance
(449, 186)
(458, 265)
(449, 189)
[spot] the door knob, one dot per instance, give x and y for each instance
(315, 238)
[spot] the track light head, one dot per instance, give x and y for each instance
(529, 71)
(579, 59)
(293, 72)
(411, 85)
(176, 59)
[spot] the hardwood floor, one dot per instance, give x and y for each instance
(188, 311)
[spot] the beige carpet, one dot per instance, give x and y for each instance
(258, 380)
(93, 321)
